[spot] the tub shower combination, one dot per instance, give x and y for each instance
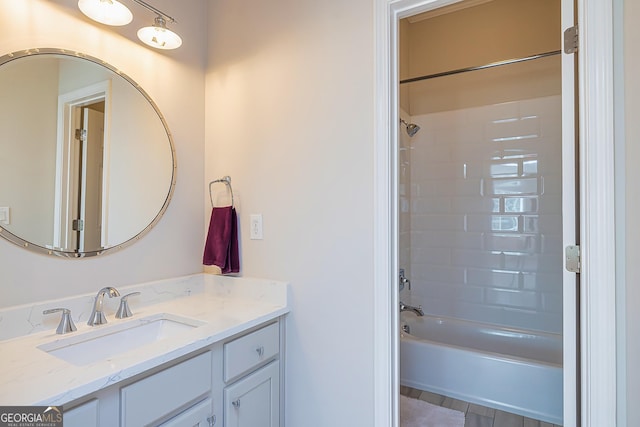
(512, 370)
(480, 233)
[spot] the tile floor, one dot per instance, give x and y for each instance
(475, 415)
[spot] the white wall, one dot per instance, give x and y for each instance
(632, 200)
(175, 80)
(128, 185)
(27, 150)
(289, 116)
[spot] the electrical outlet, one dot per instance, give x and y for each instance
(255, 226)
(5, 218)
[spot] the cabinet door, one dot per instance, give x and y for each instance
(254, 401)
(198, 415)
(85, 415)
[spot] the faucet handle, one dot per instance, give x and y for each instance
(124, 311)
(66, 324)
(403, 280)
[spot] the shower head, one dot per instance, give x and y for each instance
(412, 128)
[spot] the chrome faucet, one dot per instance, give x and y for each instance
(97, 316)
(417, 310)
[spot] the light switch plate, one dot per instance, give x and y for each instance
(5, 215)
(255, 226)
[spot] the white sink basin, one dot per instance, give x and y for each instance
(110, 340)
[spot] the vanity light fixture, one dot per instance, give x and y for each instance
(109, 12)
(112, 12)
(159, 36)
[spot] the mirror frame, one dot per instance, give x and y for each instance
(6, 234)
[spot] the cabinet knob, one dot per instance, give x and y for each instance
(236, 403)
(212, 420)
(260, 351)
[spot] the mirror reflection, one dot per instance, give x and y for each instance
(86, 159)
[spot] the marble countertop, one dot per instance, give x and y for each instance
(227, 306)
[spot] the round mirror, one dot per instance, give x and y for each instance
(87, 162)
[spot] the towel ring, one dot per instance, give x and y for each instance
(227, 181)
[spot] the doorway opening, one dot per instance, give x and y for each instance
(483, 204)
(598, 377)
(80, 207)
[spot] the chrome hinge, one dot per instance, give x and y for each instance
(572, 258)
(77, 225)
(571, 39)
(81, 134)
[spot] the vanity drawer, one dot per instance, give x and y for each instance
(160, 394)
(251, 350)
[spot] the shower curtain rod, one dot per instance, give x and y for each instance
(481, 67)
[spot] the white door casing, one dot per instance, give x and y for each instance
(597, 235)
(66, 157)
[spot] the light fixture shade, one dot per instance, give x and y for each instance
(109, 12)
(159, 36)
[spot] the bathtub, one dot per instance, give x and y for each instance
(508, 369)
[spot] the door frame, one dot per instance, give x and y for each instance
(597, 281)
(68, 120)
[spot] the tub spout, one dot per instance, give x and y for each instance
(417, 310)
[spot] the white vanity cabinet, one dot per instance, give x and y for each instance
(232, 383)
(252, 375)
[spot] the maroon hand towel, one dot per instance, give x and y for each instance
(221, 247)
(233, 257)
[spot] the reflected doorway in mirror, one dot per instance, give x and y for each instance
(80, 210)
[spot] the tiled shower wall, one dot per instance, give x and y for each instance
(482, 198)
